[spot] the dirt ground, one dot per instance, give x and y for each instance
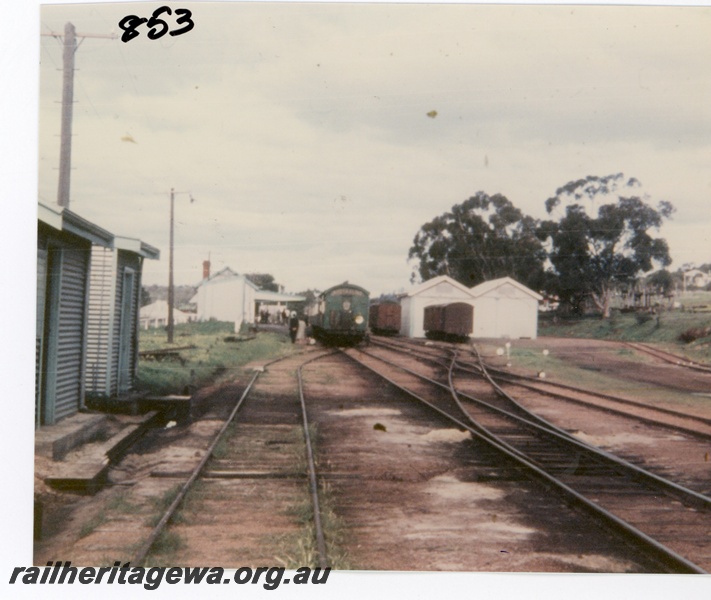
(676, 456)
(414, 494)
(614, 359)
(406, 492)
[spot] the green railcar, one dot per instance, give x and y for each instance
(342, 316)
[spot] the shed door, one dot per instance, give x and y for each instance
(126, 332)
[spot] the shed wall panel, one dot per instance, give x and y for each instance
(105, 315)
(70, 343)
(513, 318)
(99, 316)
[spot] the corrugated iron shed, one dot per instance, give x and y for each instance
(113, 319)
(64, 242)
(88, 290)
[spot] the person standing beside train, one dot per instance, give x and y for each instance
(301, 332)
(293, 327)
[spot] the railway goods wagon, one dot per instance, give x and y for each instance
(385, 318)
(342, 315)
(451, 322)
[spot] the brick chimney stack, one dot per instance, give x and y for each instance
(205, 269)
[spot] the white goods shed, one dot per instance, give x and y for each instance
(504, 308)
(439, 290)
(226, 296)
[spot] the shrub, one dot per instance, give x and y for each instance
(694, 333)
(643, 317)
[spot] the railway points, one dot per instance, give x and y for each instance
(402, 483)
(554, 460)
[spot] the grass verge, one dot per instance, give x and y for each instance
(664, 330)
(530, 361)
(208, 355)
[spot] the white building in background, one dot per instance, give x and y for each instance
(504, 308)
(273, 304)
(156, 315)
(226, 296)
(439, 290)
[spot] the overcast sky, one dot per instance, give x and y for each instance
(302, 131)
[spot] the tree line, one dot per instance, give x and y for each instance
(598, 240)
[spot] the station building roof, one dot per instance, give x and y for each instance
(269, 296)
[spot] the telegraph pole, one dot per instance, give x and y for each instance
(65, 148)
(171, 293)
(171, 297)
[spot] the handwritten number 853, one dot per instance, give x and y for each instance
(157, 27)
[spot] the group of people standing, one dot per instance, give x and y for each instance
(271, 317)
(297, 327)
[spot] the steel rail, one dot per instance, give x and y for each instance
(140, 556)
(533, 421)
(514, 378)
(608, 409)
(145, 548)
(534, 385)
(661, 553)
(531, 416)
(699, 499)
(313, 480)
(543, 426)
(669, 357)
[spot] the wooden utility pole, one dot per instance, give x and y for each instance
(65, 148)
(171, 287)
(171, 296)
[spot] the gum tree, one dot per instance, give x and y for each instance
(602, 241)
(483, 238)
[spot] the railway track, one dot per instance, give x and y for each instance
(410, 491)
(608, 403)
(263, 429)
(668, 357)
(667, 521)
